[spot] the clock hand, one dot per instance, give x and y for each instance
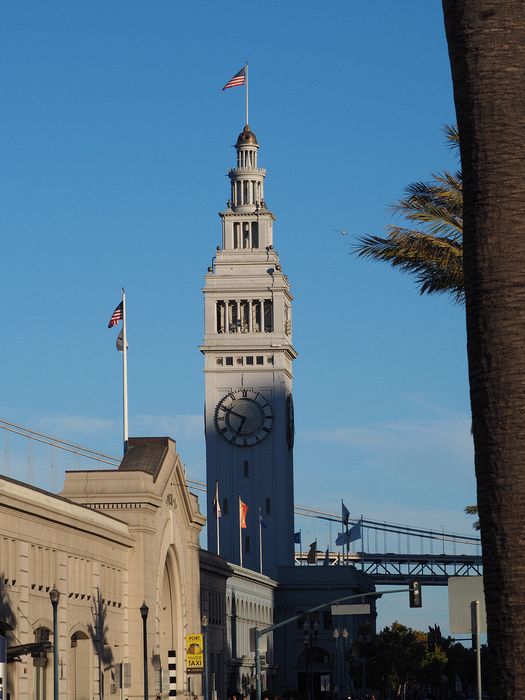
(234, 413)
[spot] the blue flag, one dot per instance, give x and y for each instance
(261, 521)
(345, 514)
(355, 532)
(297, 537)
(342, 539)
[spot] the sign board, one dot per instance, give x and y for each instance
(363, 609)
(325, 683)
(194, 652)
(462, 590)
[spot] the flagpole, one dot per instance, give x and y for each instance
(246, 95)
(301, 547)
(217, 511)
(260, 542)
(124, 372)
(240, 533)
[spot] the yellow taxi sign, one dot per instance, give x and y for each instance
(194, 652)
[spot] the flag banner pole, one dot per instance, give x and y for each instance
(246, 83)
(124, 373)
(260, 542)
(362, 546)
(240, 532)
(301, 547)
(217, 516)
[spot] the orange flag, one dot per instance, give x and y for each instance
(242, 513)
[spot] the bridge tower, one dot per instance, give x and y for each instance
(248, 355)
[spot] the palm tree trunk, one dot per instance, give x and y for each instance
(486, 40)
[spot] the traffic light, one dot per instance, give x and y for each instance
(414, 594)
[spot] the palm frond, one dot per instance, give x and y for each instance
(433, 252)
(435, 262)
(473, 510)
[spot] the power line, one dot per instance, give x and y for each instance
(306, 511)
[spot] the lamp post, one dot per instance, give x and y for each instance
(310, 637)
(340, 636)
(144, 614)
(54, 596)
(204, 623)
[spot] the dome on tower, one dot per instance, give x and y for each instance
(246, 137)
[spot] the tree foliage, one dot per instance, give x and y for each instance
(431, 249)
(401, 661)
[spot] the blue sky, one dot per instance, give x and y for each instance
(115, 143)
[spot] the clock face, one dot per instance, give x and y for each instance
(244, 417)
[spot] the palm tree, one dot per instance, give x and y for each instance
(486, 43)
(473, 510)
(433, 253)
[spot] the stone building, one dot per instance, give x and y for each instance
(113, 540)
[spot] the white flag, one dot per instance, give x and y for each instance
(120, 342)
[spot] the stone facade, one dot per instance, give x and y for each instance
(114, 540)
(248, 355)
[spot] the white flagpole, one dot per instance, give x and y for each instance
(240, 533)
(260, 542)
(246, 83)
(124, 372)
(217, 517)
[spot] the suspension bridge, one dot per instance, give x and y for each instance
(390, 553)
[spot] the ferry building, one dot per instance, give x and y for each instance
(121, 549)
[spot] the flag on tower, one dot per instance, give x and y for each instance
(216, 505)
(238, 79)
(345, 514)
(117, 315)
(243, 512)
(297, 537)
(312, 554)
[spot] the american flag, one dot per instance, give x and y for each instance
(117, 315)
(238, 79)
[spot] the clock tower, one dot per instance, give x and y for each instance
(248, 356)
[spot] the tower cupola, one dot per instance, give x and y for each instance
(247, 180)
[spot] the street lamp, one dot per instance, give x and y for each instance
(340, 636)
(204, 623)
(310, 637)
(144, 614)
(54, 597)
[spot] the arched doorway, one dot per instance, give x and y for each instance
(314, 674)
(79, 671)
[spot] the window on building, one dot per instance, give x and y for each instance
(247, 545)
(245, 468)
(260, 360)
(225, 506)
(268, 316)
(255, 234)
(229, 361)
(249, 360)
(268, 505)
(236, 235)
